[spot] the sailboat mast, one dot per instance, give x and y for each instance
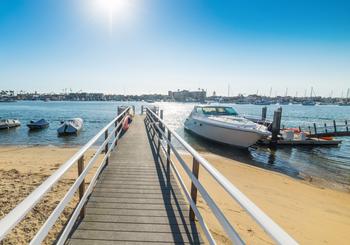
(311, 92)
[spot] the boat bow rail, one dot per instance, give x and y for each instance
(165, 138)
(111, 133)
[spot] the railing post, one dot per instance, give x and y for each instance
(141, 109)
(116, 133)
(168, 148)
(335, 126)
(82, 185)
(195, 171)
(161, 126)
(325, 127)
(106, 147)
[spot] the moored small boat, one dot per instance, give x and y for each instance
(223, 124)
(308, 103)
(9, 123)
(40, 124)
(72, 126)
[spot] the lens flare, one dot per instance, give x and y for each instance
(112, 9)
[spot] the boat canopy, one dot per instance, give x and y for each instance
(216, 110)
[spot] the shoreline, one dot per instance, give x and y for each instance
(292, 203)
(303, 177)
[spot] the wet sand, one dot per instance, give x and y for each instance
(311, 214)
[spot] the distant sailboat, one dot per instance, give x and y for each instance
(310, 101)
(345, 102)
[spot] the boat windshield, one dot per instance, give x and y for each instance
(217, 111)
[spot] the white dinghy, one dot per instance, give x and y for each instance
(9, 123)
(72, 126)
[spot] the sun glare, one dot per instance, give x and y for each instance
(112, 10)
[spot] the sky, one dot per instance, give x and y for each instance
(152, 46)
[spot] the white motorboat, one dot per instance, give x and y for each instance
(9, 123)
(72, 126)
(223, 124)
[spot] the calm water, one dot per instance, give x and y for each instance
(327, 163)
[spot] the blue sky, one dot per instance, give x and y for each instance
(157, 45)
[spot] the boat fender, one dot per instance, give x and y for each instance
(295, 130)
(327, 138)
(126, 123)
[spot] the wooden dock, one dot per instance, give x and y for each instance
(136, 200)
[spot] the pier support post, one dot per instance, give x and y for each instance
(325, 128)
(195, 171)
(106, 147)
(82, 185)
(276, 125)
(315, 128)
(263, 113)
(346, 126)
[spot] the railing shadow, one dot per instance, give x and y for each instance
(167, 179)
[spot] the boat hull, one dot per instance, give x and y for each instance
(34, 127)
(235, 137)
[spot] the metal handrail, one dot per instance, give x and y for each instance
(212, 205)
(23, 208)
(269, 226)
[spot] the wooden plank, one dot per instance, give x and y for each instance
(137, 206)
(104, 242)
(138, 191)
(133, 212)
(134, 236)
(133, 219)
(161, 196)
(135, 200)
(165, 228)
(126, 186)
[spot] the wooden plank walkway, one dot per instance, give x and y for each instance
(136, 200)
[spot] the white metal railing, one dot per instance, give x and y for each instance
(23, 208)
(165, 135)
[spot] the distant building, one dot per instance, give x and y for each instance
(188, 96)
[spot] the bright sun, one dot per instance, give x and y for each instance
(112, 9)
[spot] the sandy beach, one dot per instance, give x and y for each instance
(311, 214)
(22, 169)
